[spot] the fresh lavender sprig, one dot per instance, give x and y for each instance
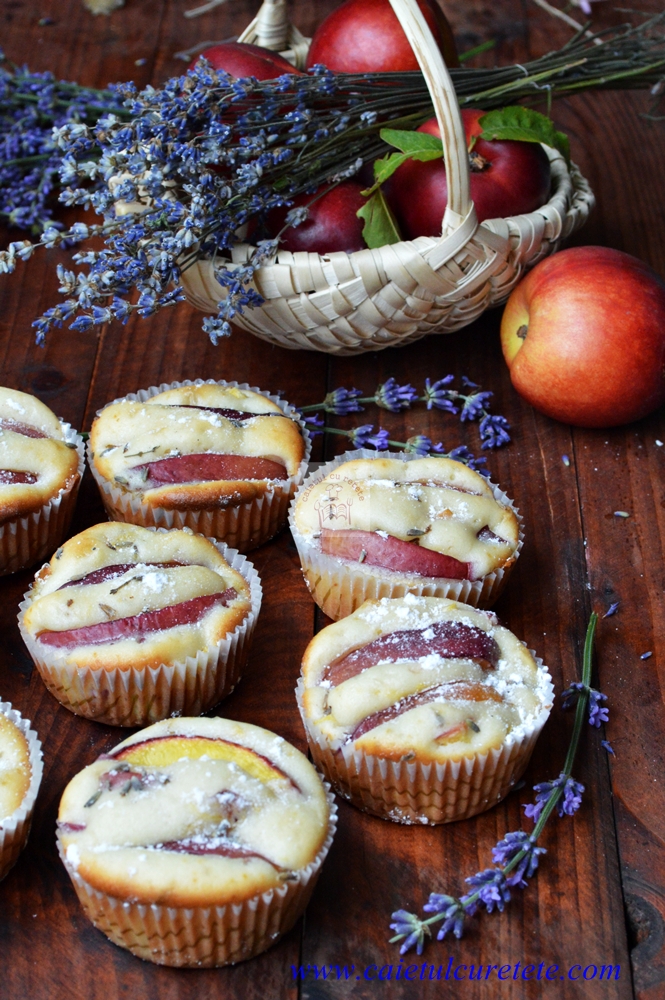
(439, 395)
(517, 854)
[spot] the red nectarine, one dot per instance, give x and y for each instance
(584, 337)
(365, 36)
(508, 177)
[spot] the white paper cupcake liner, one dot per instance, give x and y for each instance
(203, 937)
(15, 829)
(416, 793)
(138, 696)
(31, 539)
(243, 527)
(340, 587)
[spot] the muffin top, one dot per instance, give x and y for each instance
(196, 446)
(429, 517)
(15, 771)
(420, 678)
(194, 812)
(120, 596)
(35, 460)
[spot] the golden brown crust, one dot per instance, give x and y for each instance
(182, 421)
(279, 819)
(206, 496)
(194, 568)
(47, 456)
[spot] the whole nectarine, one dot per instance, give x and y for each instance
(365, 36)
(508, 177)
(584, 337)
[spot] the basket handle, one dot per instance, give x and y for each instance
(447, 111)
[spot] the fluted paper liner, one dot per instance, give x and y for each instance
(416, 793)
(138, 696)
(245, 526)
(15, 829)
(203, 937)
(340, 587)
(28, 540)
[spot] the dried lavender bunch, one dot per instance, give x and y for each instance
(205, 153)
(518, 853)
(31, 105)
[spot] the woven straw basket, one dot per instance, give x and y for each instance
(364, 301)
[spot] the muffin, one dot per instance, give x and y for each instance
(20, 776)
(217, 457)
(368, 527)
(41, 464)
(420, 709)
(129, 625)
(196, 842)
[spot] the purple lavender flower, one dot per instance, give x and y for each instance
(571, 694)
(342, 401)
(453, 911)
(475, 405)
(391, 396)
(315, 421)
(493, 430)
(364, 436)
(412, 928)
(598, 713)
(508, 849)
(421, 445)
(569, 802)
(492, 889)
(462, 454)
(437, 396)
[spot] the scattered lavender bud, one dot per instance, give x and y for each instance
(606, 745)
(621, 513)
(612, 610)
(565, 460)
(646, 656)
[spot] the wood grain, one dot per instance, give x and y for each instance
(578, 557)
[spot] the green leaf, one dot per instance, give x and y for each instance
(413, 143)
(380, 226)
(525, 125)
(413, 146)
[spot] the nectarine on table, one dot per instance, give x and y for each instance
(584, 337)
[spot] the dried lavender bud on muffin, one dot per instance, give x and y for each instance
(196, 447)
(39, 464)
(196, 815)
(123, 599)
(402, 524)
(420, 681)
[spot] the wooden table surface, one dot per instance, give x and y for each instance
(599, 896)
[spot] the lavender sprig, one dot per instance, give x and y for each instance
(366, 436)
(389, 395)
(518, 853)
